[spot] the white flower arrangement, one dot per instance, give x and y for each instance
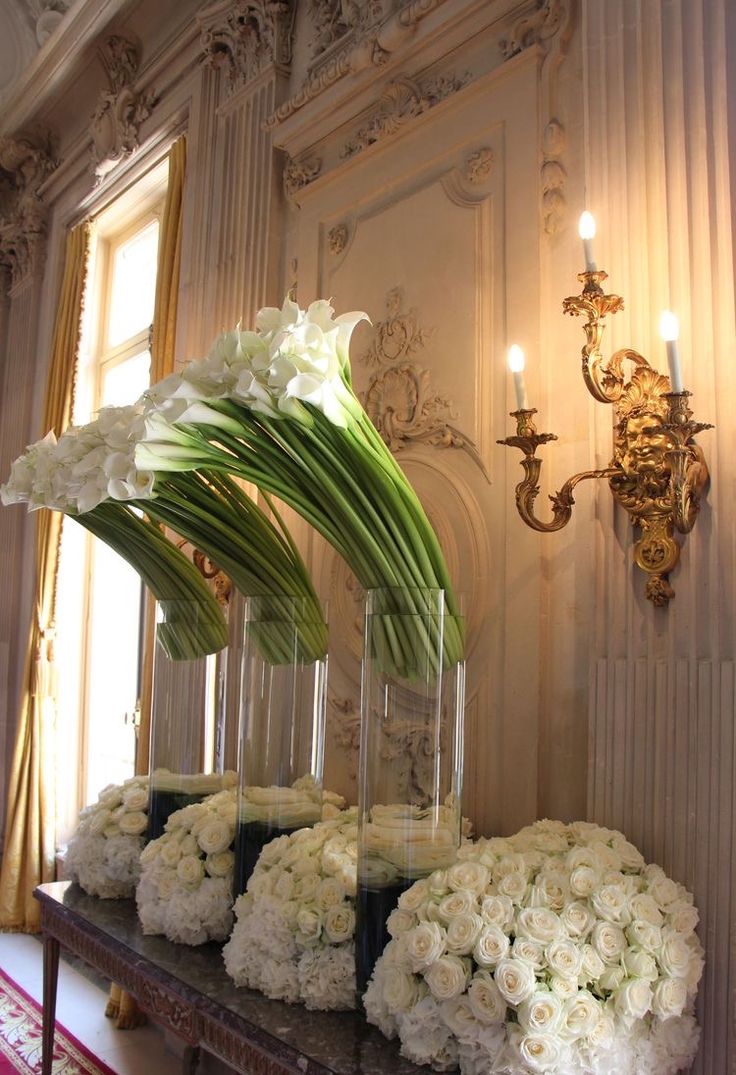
(185, 888)
(293, 936)
(557, 950)
(103, 854)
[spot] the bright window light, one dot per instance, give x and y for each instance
(133, 284)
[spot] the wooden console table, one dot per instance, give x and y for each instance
(188, 991)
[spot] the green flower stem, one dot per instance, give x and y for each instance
(166, 572)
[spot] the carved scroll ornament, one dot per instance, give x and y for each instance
(120, 110)
(244, 36)
(23, 167)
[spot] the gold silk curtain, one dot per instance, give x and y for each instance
(163, 342)
(28, 857)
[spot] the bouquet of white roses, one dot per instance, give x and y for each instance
(293, 938)
(557, 950)
(185, 888)
(103, 854)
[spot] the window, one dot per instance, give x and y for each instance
(99, 597)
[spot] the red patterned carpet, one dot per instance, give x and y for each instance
(20, 1039)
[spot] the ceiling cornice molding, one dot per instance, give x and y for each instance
(79, 29)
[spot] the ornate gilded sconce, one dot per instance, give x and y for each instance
(657, 472)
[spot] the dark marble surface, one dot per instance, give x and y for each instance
(339, 1042)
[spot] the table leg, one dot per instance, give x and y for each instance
(50, 979)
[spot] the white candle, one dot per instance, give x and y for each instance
(586, 228)
(669, 329)
(517, 362)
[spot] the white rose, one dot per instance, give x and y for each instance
(134, 823)
(414, 897)
(136, 798)
(580, 1015)
(456, 905)
(485, 999)
(609, 941)
(190, 870)
(462, 933)
(459, 1016)
(284, 885)
(538, 924)
(437, 882)
(606, 856)
(309, 925)
(540, 1052)
(553, 889)
(220, 864)
(633, 998)
(515, 979)
(530, 951)
(664, 891)
(593, 965)
(631, 857)
(540, 1013)
(399, 922)
(564, 988)
(446, 977)
(669, 998)
(564, 958)
(644, 907)
(401, 991)
(683, 917)
(497, 911)
(424, 944)
(611, 903)
(305, 889)
(189, 846)
(578, 919)
(638, 964)
(644, 935)
(98, 822)
(339, 922)
(611, 979)
(215, 836)
(513, 885)
(491, 946)
(329, 893)
(674, 956)
(471, 876)
(305, 866)
(584, 880)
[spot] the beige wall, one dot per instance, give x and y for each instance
(429, 166)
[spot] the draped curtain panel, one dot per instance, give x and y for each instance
(163, 343)
(29, 833)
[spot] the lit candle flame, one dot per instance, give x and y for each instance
(516, 358)
(586, 225)
(669, 326)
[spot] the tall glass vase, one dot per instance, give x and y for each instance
(411, 754)
(282, 724)
(187, 716)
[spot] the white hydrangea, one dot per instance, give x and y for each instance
(293, 936)
(557, 950)
(103, 854)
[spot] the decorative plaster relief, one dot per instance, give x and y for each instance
(120, 110)
(337, 238)
(478, 165)
(23, 167)
(297, 173)
(553, 176)
(401, 101)
(333, 19)
(539, 25)
(399, 397)
(245, 36)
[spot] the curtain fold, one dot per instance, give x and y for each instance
(28, 857)
(163, 346)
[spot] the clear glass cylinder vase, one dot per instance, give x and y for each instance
(187, 713)
(282, 724)
(411, 754)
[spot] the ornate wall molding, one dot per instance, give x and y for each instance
(298, 173)
(536, 27)
(478, 165)
(553, 177)
(337, 238)
(399, 397)
(120, 111)
(401, 101)
(243, 37)
(23, 167)
(333, 19)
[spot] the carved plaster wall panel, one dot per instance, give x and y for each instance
(120, 110)
(419, 213)
(24, 165)
(244, 37)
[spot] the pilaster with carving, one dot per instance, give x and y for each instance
(23, 167)
(244, 37)
(120, 109)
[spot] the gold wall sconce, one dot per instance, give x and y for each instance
(657, 472)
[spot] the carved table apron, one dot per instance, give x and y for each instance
(188, 991)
